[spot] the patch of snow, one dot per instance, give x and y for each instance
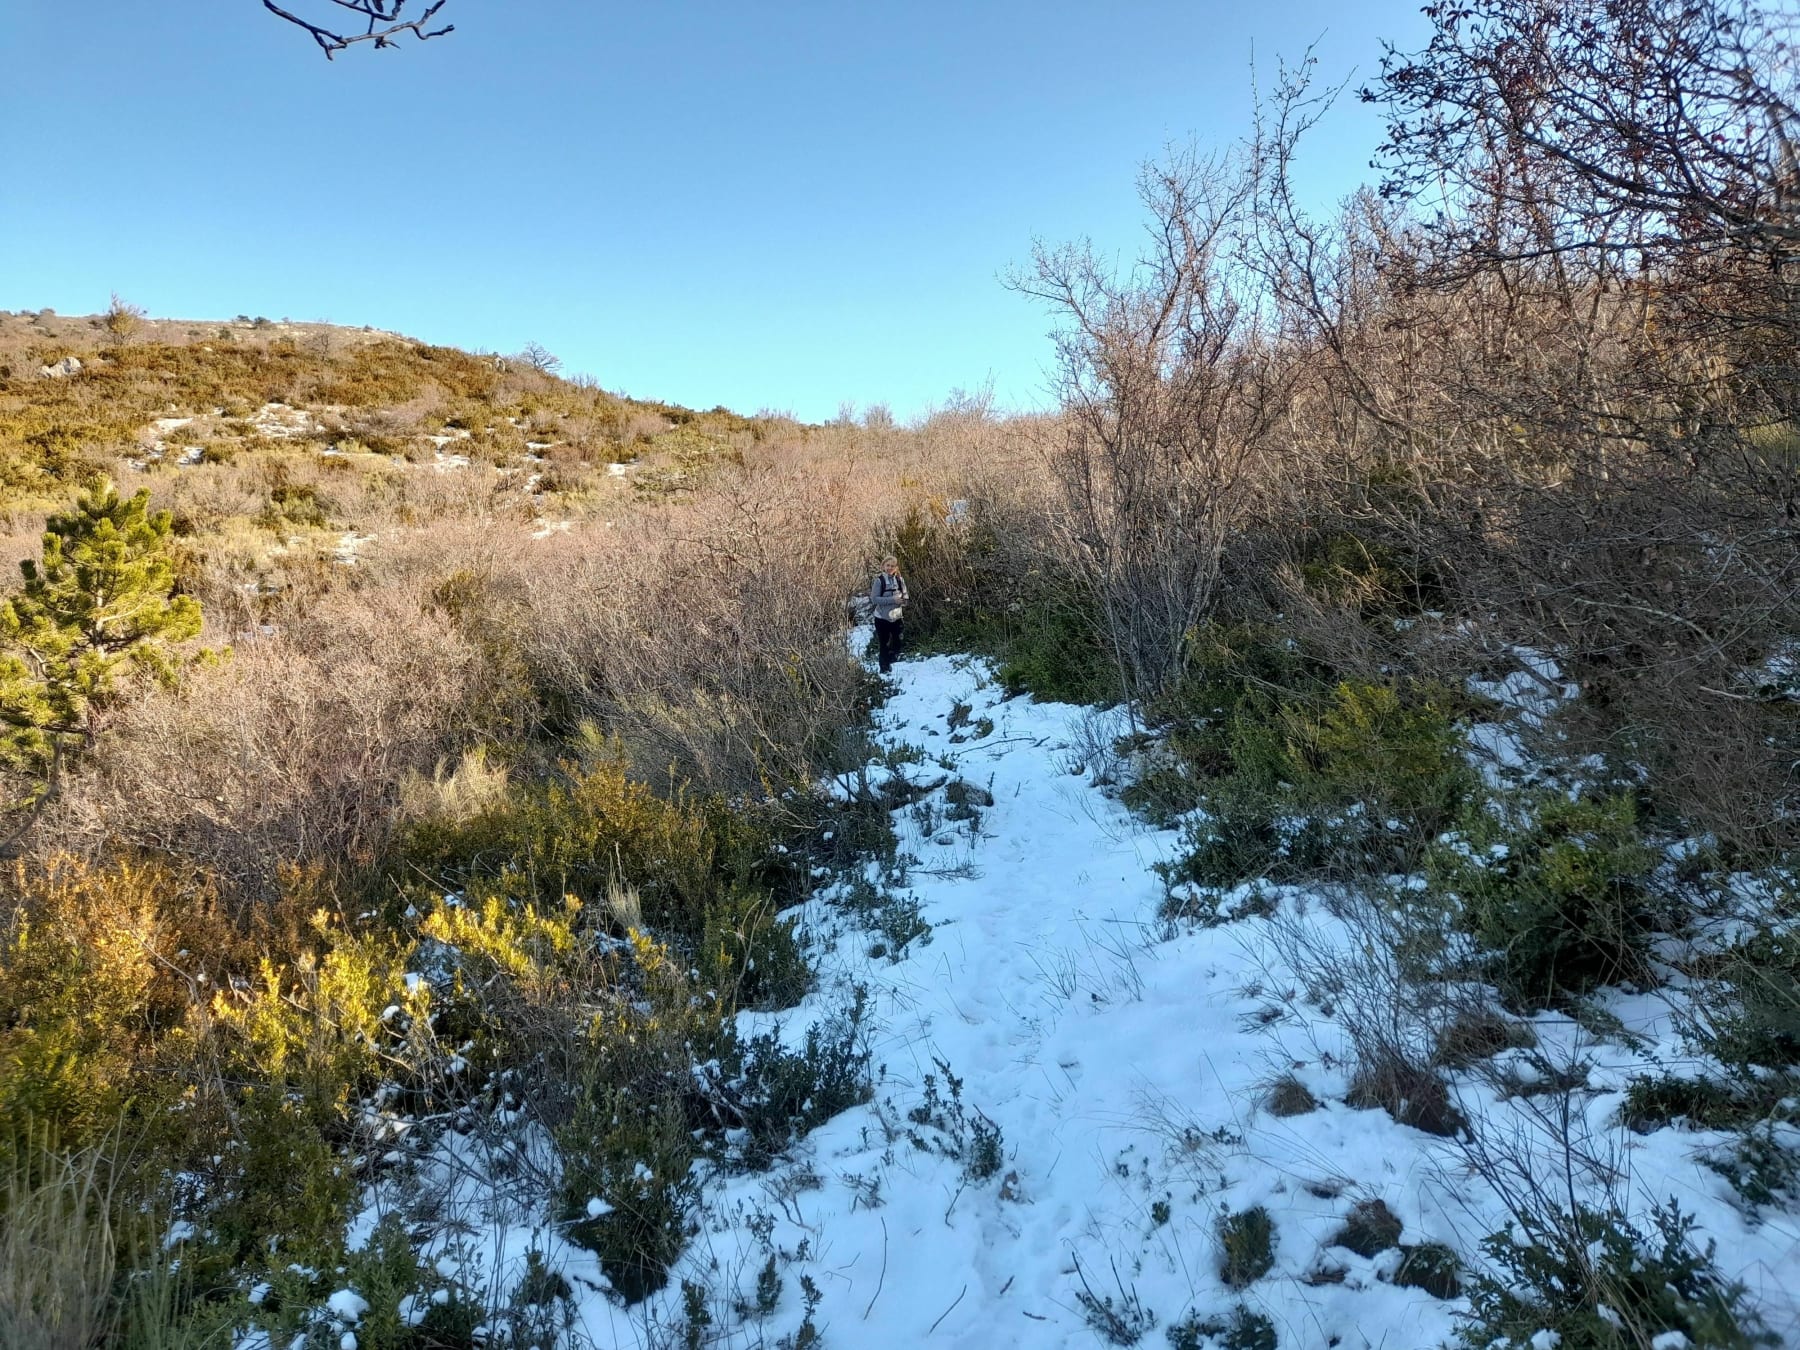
(347, 1306)
(280, 422)
(348, 547)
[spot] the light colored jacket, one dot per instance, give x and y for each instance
(888, 596)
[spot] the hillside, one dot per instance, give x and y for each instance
(169, 395)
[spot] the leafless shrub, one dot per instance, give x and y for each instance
(1382, 978)
(292, 749)
(1169, 381)
(1558, 393)
(721, 640)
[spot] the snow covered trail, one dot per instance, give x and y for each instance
(1125, 1065)
(1122, 1072)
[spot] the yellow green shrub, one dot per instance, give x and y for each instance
(327, 1029)
(596, 828)
(87, 987)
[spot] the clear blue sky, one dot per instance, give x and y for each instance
(762, 205)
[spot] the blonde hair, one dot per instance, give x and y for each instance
(890, 561)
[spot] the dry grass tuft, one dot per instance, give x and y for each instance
(56, 1251)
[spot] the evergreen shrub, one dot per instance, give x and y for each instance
(1557, 891)
(1597, 1281)
(1346, 779)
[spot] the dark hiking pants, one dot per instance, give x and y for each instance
(887, 634)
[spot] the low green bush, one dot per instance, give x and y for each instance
(628, 1183)
(1052, 649)
(1430, 1266)
(974, 594)
(1704, 1103)
(947, 1125)
(1557, 891)
(1376, 579)
(294, 504)
(777, 1094)
(1346, 780)
(1246, 1246)
(1596, 1281)
(281, 1182)
(1761, 1021)
(1241, 1330)
(750, 956)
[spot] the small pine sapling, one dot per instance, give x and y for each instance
(102, 601)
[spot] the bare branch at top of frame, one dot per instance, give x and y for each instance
(385, 22)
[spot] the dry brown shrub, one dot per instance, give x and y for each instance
(705, 632)
(712, 642)
(290, 750)
(21, 536)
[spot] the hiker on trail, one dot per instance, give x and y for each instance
(887, 601)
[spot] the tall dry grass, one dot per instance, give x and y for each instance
(57, 1250)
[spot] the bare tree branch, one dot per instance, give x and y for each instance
(384, 24)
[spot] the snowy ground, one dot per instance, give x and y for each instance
(1125, 1066)
(1123, 1071)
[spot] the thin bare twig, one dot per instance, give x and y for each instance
(882, 1278)
(949, 1310)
